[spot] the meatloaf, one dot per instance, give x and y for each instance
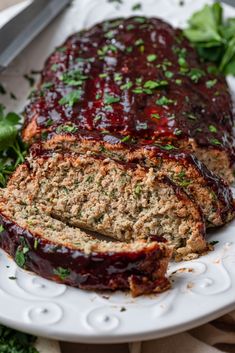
(139, 78)
(210, 191)
(121, 200)
(68, 255)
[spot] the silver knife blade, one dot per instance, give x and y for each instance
(21, 30)
(229, 2)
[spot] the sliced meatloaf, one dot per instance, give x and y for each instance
(121, 200)
(68, 255)
(140, 78)
(211, 193)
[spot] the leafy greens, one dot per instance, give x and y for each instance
(214, 37)
(12, 149)
(12, 341)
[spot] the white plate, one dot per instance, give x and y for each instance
(202, 289)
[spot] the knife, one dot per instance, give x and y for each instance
(229, 2)
(21, 30)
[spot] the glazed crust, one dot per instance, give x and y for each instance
(141, 271)
(139, 62)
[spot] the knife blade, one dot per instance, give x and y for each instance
(24, 27)
(229, 2)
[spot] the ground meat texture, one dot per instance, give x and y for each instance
(123, 201)
(139, 78)
(68, 255)
(211, 193)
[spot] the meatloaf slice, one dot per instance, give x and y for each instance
(68, 255)
(120, 200)
(140, 78)
(211, 193)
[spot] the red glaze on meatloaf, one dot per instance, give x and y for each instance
(138, 77)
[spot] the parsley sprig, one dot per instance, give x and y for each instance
(12, 341)
(214, 37)
(12, 149)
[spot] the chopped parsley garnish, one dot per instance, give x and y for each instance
(129, 49)
(139, 80)
(49, 122)
(166, 147)
(126, 138)
(109, 34)
(138, 90)
(1, 228)
(127, 85)
(177, 132)
(104, 75)
(155, 116)
(195, 74)
(47, 85)
(155, 84)
(35, 244)
(130, 27)
(182, 62)
(71, 98)
(166, 63)
(111, 99)
(117, 77)
(211, 83)
(191, 116)
(105, 49)
(54, 67)
(178, 81)
(66, 128)
(151, 57)
(21, 251)
(139, 19)
(98, 117)
(61, 49)
(44, 135)
(138, 190)
(73, 78)
(169, 74)
(215, 142)
(139, 42)
(61, 272)
(90, 179)
(164, 101)
(212, 128)
(184, 183)
(181, 180)
(136, 7)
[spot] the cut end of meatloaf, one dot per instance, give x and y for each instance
(123, 201)
(210, 191)
(69, 255)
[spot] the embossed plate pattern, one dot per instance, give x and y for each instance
(202, 289)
